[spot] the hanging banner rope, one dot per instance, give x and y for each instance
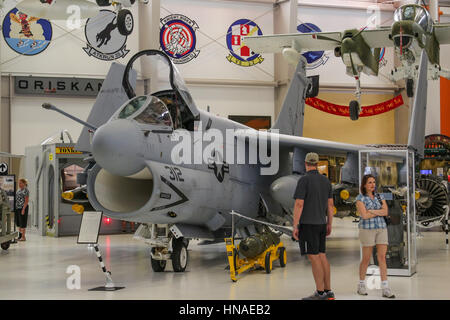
(366, 110)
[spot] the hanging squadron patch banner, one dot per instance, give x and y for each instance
(104, 40)
(315, 59)
(367, 111)
(240, 54)
(26, 35)
(178, 38)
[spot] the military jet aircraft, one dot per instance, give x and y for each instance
(135, 173)
(59, 10)
(412, 31)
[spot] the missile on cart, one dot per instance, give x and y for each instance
(75, 194)
(258, 243)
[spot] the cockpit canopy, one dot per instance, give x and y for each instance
(416, 13)
(147, 110)
(166, 101)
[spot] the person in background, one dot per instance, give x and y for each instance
(21, 212)
(313, 217)
(372, 209)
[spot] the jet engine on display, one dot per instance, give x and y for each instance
(431, 197)
(158, 160)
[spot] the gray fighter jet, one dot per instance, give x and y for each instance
(135, 173)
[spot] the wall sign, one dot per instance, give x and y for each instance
(104, 39)
(26, 35)
(178, 39)
(315, 59)
(3, 169)
(57, 86)
(240, 54)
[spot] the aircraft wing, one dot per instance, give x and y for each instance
(323, 147)
(442, 32)
(318, 41)
(378, 38)
(303, 42)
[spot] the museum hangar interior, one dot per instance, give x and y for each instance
(115, 119)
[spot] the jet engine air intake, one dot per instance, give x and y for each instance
(123, 194)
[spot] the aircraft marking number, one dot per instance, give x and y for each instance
(175, 174)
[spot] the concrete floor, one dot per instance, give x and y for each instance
(36, 269)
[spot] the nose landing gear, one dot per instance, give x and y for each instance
(355, 105)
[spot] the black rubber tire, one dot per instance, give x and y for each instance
(125, 22)
(132, 1)
(410, 88)
(5, 245)
(268, 263)
(158, 265)
(235, 254)
(282, 257)
(179, 249)
(354, 110)
(103, 3)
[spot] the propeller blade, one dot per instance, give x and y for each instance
(360, 31)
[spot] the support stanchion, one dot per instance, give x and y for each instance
(89, 231)
(109, 286)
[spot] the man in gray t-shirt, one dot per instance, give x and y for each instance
(313, 216)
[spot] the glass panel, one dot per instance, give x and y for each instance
(133, 106)
(409, 13)
(156, 113)
(394, 172)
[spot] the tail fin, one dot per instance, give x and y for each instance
(416, 138)
(290, 119)
(110, 98)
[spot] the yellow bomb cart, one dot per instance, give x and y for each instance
(257, 251)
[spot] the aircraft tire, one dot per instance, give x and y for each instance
(410, 88)
(268, 263)
(354, 110)
(103, 3)
(180, 255)
(158, 265)
(5, 245)
(125, 22)
(282, 257)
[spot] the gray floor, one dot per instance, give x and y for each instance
(36, 269)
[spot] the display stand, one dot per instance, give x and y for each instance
(446, 226)
(89, 231)
(393, 168)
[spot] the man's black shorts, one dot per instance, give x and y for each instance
(312, 238)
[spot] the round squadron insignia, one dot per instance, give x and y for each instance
(240, 54)
(178, 39)
(315, 59)
(382, 61)
(104, 40)
(25, 34)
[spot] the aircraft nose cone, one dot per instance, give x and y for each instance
(118, 147)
